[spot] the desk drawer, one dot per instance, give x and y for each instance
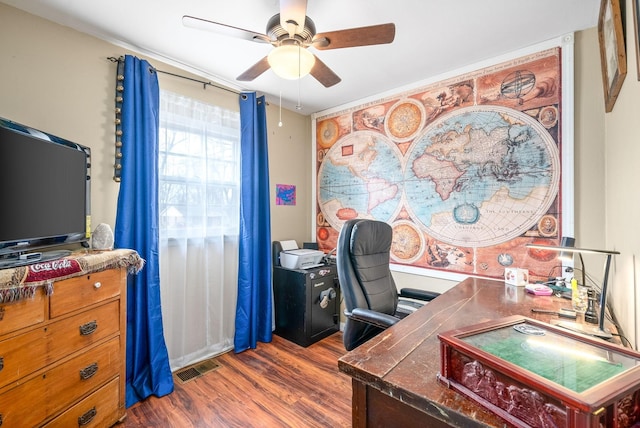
(35, 349)
(76, 293)
(23, 313)
(60, 386)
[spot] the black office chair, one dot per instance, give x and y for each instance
(370, 294)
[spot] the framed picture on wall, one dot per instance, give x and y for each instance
(636, 33)
(612, 51)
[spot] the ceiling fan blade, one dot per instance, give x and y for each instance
(255, 70)
(293, 11)
(223, 29)
(324, 74)
(353, 37)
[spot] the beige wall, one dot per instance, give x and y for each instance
(290, 163)
(621, 180)
(588, 144)
(607, 204)
(59, 80)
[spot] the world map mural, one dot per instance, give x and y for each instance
(467, 171)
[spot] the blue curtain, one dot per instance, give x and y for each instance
(148, 370)
(254, 306)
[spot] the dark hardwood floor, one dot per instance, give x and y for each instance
(279, 384)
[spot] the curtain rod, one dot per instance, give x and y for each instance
(204, 84)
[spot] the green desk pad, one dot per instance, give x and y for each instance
(575, 365)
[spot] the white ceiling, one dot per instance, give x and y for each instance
(432, 37)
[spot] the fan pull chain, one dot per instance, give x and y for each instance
(299, 105)
(280, 111)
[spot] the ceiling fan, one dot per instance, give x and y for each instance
(293, 31)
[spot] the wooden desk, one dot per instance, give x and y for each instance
(394, 374)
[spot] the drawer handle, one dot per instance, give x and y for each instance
(88, 328)
(88, 371)
(97, 285)
(87, 417)
(1, 367)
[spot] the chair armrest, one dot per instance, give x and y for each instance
(368, 316)
(414, 293)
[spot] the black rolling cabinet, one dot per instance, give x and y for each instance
(307, 303)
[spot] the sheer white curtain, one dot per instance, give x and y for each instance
(199, 185)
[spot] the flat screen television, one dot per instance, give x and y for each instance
(45, 195)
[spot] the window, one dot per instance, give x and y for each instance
(199, 168)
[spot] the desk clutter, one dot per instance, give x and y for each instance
(515, 276)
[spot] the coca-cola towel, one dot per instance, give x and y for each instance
(21, 282)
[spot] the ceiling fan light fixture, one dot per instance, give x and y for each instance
(291, 61)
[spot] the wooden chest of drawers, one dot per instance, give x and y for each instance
(62, 357)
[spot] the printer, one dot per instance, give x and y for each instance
(292, 257)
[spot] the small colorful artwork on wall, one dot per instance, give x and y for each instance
(285, 194)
